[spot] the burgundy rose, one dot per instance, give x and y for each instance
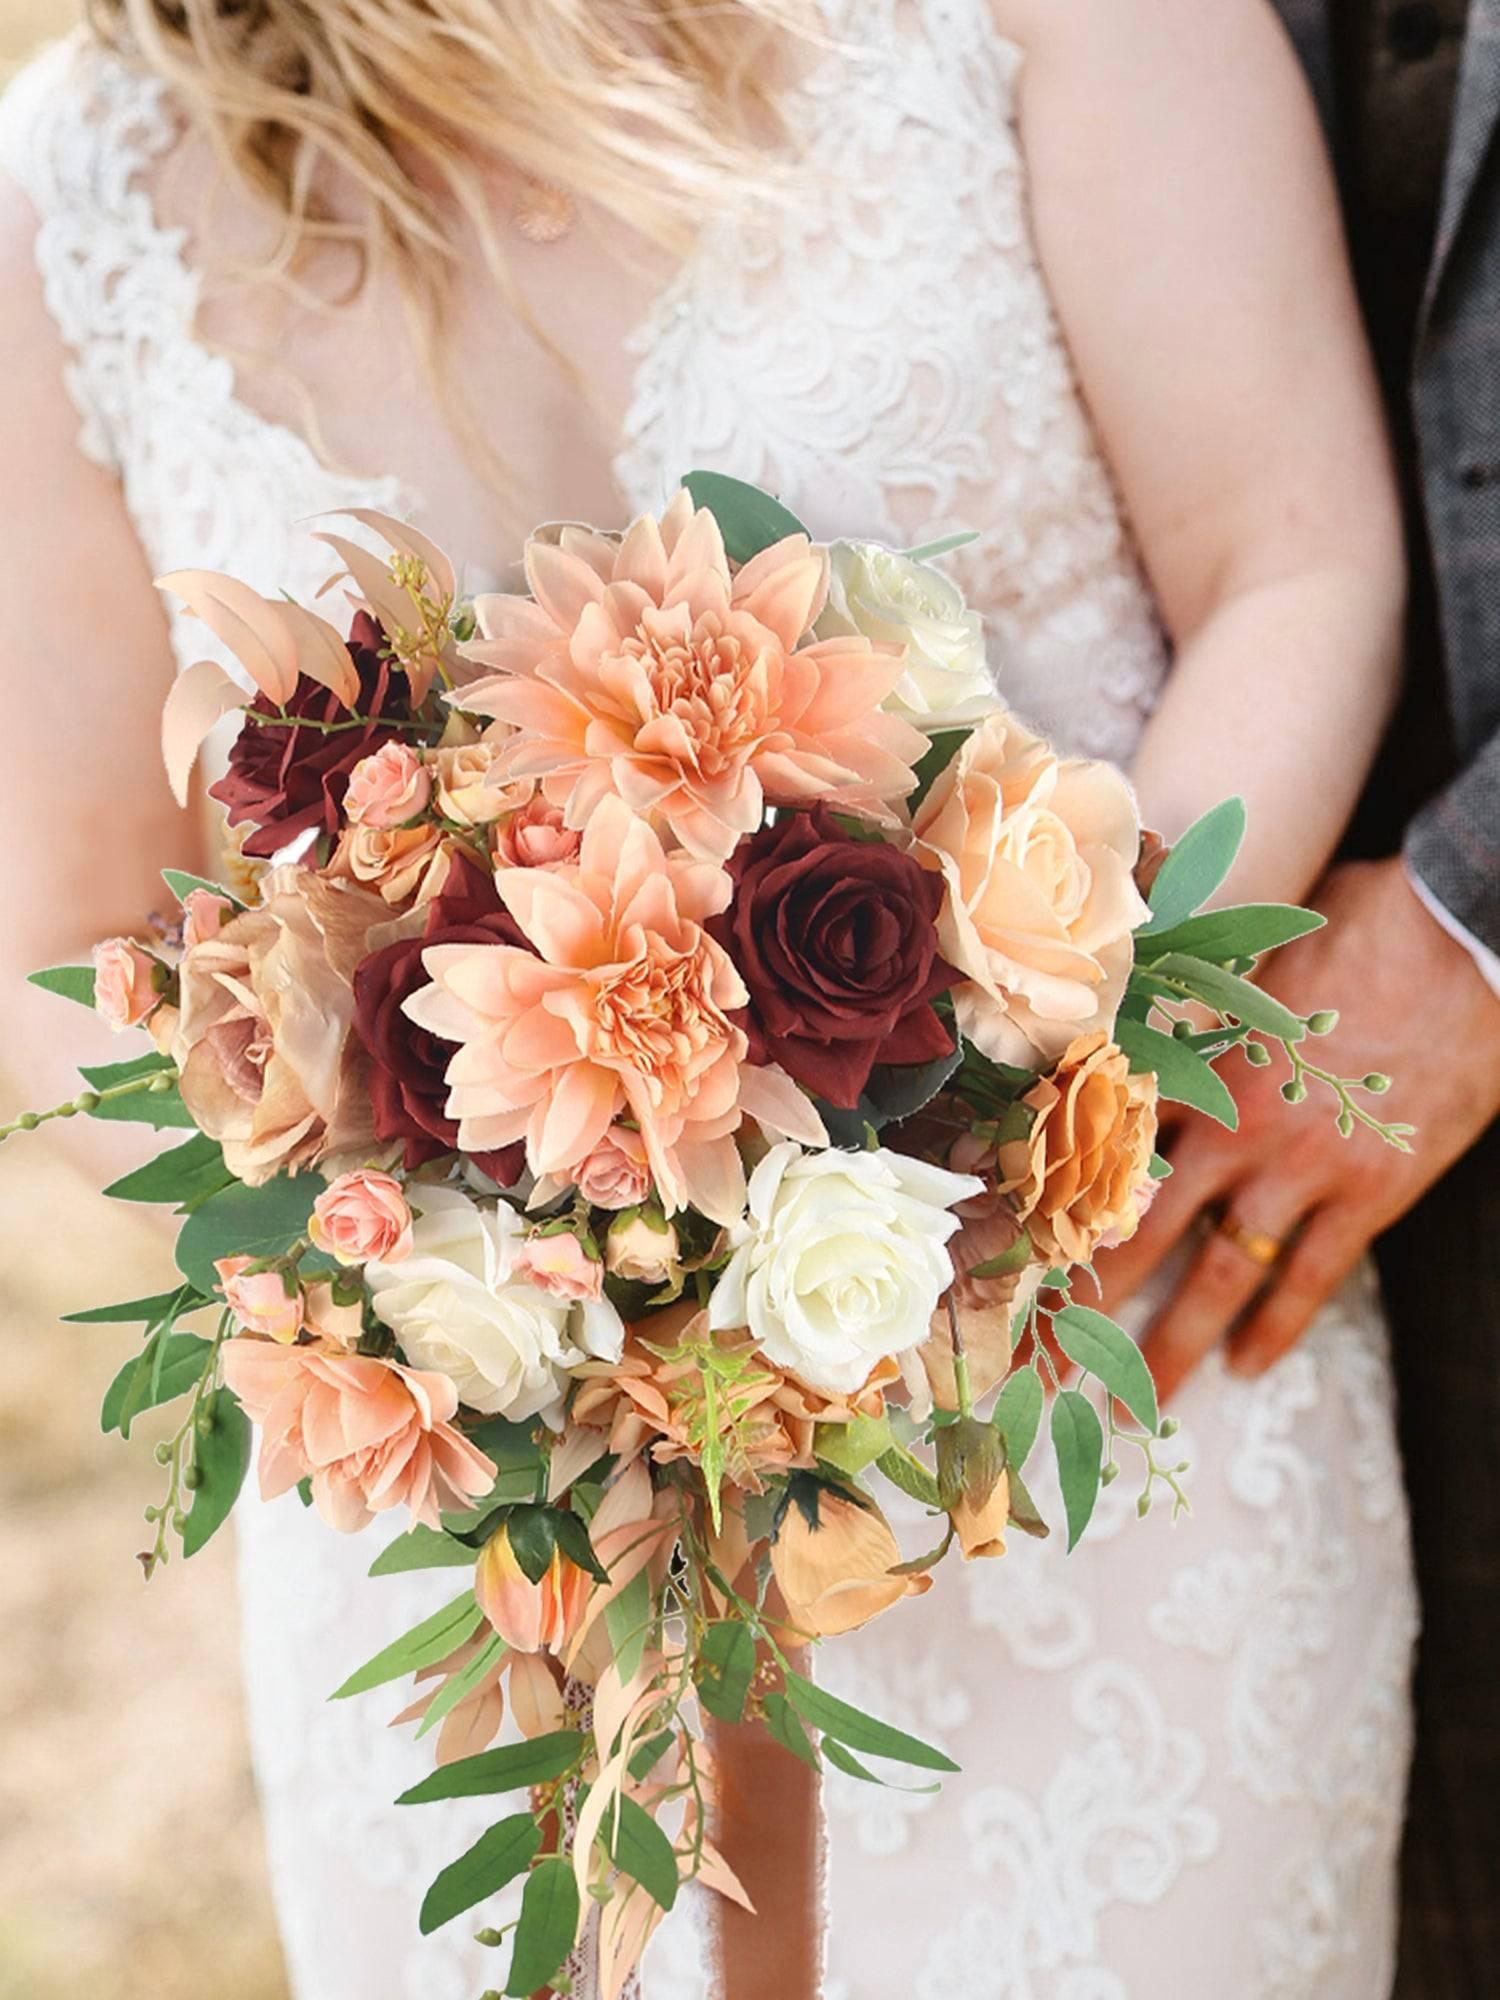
(407, 1064)
(285, 778)
(836, 939)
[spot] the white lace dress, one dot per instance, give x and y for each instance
(1184, 1749)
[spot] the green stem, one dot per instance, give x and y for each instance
(156, 1080)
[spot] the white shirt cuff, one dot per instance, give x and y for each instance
(1486, 960)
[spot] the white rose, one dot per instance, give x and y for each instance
(886, 596)
(460, 1305)
(841, 1260)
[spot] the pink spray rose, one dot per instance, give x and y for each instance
(617, 1173)
(204, 915)
(260, 1300)
(536, 836)
(560, 1265)
(124, 983)
(368, 1433)
(388, 788)
(362, 1217)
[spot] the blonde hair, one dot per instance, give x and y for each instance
(656, 112)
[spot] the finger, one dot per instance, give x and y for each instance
(1199, 1175)
(1220, 1284)
(1329, 1249)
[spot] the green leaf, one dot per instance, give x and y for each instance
(1024, 1512)
(458, 1687)
(1094, 1342)
(221, 1456)
(1078, 1441)
(1227, 993)
(422, 1547)
(1017, 1415)
(532, 1532)
(859, 1731)
(183, 1356)
(850, 1447)
(1244, 930)
(749, 520)
(649, 1754)
(1181, 1076)
(1016, 1258)
(639, 1849)
(786, 1726)
(1196, 866)
(160, 1306)
(188, 1173)
(944, 546)
(243, 1221)
(538, 1760)
(845, 1760)
(627, 1619)
(549, 1921)
(894, 1091)
(573, 1540)
(906, 1471)
(182, 886)
(497, 1857)
(423, 1646)
(940, 753)
(725, 1668)
(73, 982)
(163, 1109)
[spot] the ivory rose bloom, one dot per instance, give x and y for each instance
(125, 988)
(269, 1068)
(1036, 856)
(1081, 1179)
(368, 1434)
(622, 1010)
(361, 1218)
(470, 788)
(260, 1300)
(463, 1304)
(640, 668)
(841, 1260)
(898, 602)
(837, 1576)
(389, 788)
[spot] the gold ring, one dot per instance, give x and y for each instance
(1258, 1244)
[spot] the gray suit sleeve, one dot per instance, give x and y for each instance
(1453, 846)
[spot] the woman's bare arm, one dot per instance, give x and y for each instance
(86, 819)
(1187, 221)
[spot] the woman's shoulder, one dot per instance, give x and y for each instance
(77, 124)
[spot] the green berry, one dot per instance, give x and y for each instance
(1323, 1022)
(489, 1937)
(163, 1453)
(1295, 1091)
(28, 1121)
(1182, 1030)
(1346, 1123)
(1377, 1083)
(1143, 1505)
(1168, 1428)
(192, 1479)
(86, 1100)
(1110, 1474)
(1257, 1055)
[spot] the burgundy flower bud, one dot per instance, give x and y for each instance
(836, 939)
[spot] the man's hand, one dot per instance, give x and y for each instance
(1411, 1003)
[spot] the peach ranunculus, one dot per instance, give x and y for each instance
(367, 1433)
(125, 989)
(1081, 1179)
(641, 667)
(616, 1174)
(838, 1575)
(261, 1301)
(623, 1010)
(268, 1065)
(560, 1264)
(530, 1617)
(1037, 855)
(362, 1217)
(388, 788)
(536, 835)
(653, 1400)
(407, 865)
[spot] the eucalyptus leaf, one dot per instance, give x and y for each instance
(1244, 930)
(1195, 866)
(907, 1472)
(187, 1173)
(162, 1109)
(183, 1358)
(639, 1849)
(1017, 1415)
(497, 1857)
(159, 1306)
(786, 1727)
(71, 982)
(221, 1457)
(1181, 1075)
(1227, 993)
(549, 1922)
(423, 1646)
(859, 1731)
(1078, 1442)
(845, 1760)
(183, 884)
(749, 520)
(422, 1547)
(725, 1668)
(1093, 1341)
(243, 1221)
(536, 1760)
(627, 1618)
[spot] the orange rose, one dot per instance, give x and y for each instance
(837, 1576)
(1081, 1179)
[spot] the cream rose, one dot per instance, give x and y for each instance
(269, 1067)
(1037, 854)
(840, 1261)
(887, 597)
(462, 1304)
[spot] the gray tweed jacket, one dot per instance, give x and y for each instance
(1454, 842)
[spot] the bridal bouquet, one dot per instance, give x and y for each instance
(669, 1042)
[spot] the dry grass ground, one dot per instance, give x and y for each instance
(130, 1853)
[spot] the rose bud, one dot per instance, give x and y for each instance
(839, 1575)
(642, 1247)
(362, 1217)
(530, 1617)
(204, 915)
(388, 788)
(125, 988)
(560, 1264)
(260, 1300)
